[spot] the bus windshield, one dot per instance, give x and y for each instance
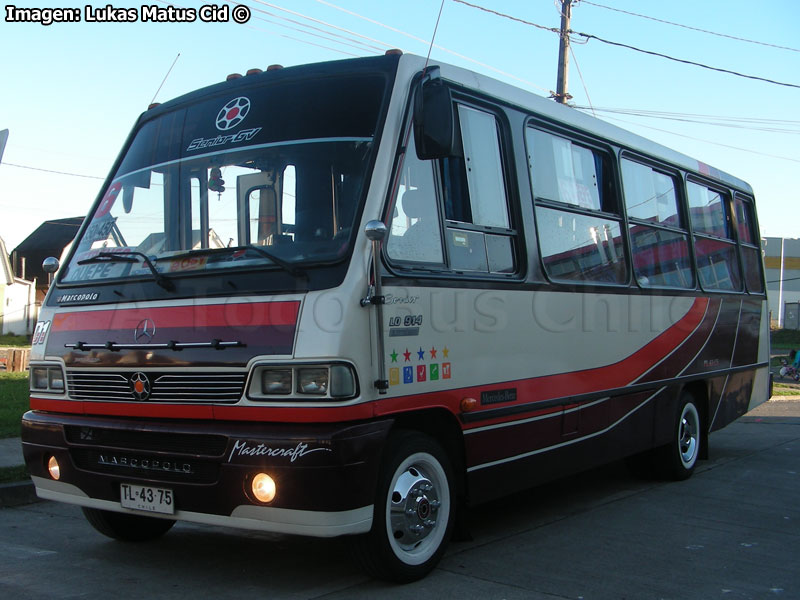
(260, 180)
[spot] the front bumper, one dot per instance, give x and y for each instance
(325, 474)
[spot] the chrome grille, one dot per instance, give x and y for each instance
(165, 387)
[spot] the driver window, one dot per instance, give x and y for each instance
(415, 234)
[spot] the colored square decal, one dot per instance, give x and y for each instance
(408, 374)
(421, 373)
(434, 372)
(394, 376)
(445, 370)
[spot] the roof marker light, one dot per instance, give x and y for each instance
(233, 76)
(254, 72)
(274, 67)
(393, 52)
(153, 105)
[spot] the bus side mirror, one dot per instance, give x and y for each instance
(376, 231)
(50, 264)
(433, 120)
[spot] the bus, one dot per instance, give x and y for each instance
(356, 298)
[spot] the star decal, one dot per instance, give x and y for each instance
(433, 352)
(394, 355)
(407, 355)
(421, 354)
(446, 352)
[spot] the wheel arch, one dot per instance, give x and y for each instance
(442, 426)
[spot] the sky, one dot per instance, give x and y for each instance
(71, 92)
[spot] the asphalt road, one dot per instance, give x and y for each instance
(732, 531)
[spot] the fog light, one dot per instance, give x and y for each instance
(53, 468)
(264, 488)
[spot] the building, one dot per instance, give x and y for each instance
(782, 263)
(49, 239)
(18, 310)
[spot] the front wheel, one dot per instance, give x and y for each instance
(127, 527)
(413, 514)
(679, 457)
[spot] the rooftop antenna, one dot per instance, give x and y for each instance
(433, 37)
(165, 78)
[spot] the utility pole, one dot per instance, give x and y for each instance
(561, 96)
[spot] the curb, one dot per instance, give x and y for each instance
(18, 493)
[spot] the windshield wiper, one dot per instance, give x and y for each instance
(130, 256)
(286, 266)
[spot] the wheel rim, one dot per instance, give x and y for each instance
(417, 508)
(689, 435)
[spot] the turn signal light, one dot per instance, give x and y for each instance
(468, 404)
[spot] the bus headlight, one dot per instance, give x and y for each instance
(312, 381)
(276, 381)
(47, 378)
(273, 382)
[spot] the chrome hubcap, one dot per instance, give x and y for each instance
(688, 435)
(413, 509)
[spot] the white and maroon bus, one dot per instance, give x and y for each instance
(353, 298)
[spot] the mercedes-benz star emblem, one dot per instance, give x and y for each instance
(140, 386)
(144, 332)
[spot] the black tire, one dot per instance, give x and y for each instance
(127, 527)
(414, 510)
(678, 459)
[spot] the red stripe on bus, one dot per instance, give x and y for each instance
(255, 314)
(607, 378)
(59, 406)
(563, 385)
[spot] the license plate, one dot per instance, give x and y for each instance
(146, 498)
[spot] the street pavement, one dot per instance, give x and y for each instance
(732, 531)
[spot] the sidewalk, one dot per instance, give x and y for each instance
(11, 452)
(20, 492)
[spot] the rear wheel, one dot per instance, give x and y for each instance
(413, 515)
(679, 457)
(127, 527)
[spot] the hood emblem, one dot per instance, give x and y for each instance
(144, 332)
(140, 386)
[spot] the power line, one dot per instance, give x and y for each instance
(731, 37)
(589, 36)
(8, 164)
(437, 46)
(583, 83)
(509, 17)
(361, 45)
(710, 120)
(689, 137)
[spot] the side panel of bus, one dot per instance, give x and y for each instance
(514, 290)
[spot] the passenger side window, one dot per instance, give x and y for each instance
(659, 241)
(717, 262)
(577, 214)
(463, 225)
(478, 229)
